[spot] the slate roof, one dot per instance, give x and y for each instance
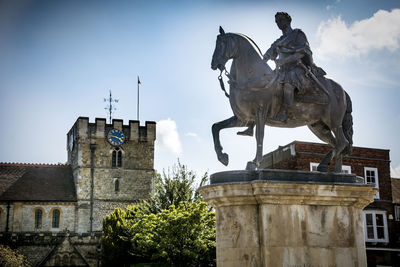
(36, 182)
(396, 190)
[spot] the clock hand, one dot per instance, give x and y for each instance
(119, 138)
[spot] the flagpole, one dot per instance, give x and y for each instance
(138, 82)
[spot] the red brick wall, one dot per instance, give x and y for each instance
(360, 158)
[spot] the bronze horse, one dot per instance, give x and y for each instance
(327, 115)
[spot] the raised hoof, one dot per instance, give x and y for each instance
(322, 168)
(251, 166)
(223, 158)
(247, 132)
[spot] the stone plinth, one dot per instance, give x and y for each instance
(288, 218)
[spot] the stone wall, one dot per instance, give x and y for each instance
(3, 216)
(22, 216)
(135, 176)
(61, 249)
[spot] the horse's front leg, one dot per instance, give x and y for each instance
(216, 128)
(260, 125)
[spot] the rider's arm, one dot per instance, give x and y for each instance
(292, 58)
(271, 53)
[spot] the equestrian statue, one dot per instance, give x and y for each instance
(296, 93)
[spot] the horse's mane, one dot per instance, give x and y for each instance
(251, 42)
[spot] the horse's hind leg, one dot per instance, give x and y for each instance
(322, 131)
(216, 128)
(341, 144)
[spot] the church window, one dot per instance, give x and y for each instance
(56, 219)
(116, 185)
(57, 260)
(72, 261)
(65, 260)
(38, 219)
(117, 157)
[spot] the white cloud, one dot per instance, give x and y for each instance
(381, 31)
(395, 172)
(191, 134)
(167, 136)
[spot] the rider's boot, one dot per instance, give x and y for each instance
(288, 95)
(248, 132)
(281, 116)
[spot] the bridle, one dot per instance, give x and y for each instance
(227, 74)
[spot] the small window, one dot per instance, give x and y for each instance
(56, 219)
(116, 185)
(375, 223)
(397, 213)
(313, 166)
(371, 178)
(117, 157)
(346, 169)
(38, 219)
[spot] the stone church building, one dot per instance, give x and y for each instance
(53, 213)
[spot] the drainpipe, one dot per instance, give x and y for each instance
(8, 215)
(92, 149)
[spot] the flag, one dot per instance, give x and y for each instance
(138, 80)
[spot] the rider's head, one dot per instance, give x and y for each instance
(282, 19)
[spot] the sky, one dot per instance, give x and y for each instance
(59, 59)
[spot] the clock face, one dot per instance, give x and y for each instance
(115, 137)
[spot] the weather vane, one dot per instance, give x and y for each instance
(110, 107)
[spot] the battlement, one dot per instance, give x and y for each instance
(99, 129)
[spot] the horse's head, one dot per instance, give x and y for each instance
(222, 52)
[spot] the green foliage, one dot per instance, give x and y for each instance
(11, 258)
(173, 228)
(173, 187)
(177, 236)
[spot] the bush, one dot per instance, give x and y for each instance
(11, 258)
(173, 228)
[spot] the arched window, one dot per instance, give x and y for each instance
(65, 260)
(38, 219)
(57, 260)
(56, 219)
(72, 260)
(117, 157)
(116, 185)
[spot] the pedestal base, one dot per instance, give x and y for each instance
(288, 218)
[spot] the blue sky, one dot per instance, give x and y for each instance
(59, 59)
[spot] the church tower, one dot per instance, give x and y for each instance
(112, 165)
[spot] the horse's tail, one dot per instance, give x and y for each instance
(347, 125)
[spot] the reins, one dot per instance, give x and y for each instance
(221, 82)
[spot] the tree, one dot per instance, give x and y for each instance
(173, 187)
(173, 228)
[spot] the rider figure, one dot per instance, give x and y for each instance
(291, 53)
(290, 50)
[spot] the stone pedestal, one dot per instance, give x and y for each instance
(288, 218)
